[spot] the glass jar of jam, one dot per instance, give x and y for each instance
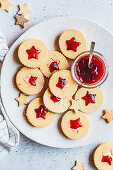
(89, 76)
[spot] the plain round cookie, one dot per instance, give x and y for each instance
(66, 91)
(67, 35)
(103, 148)
(27, 45)
(59, 107)
(23, 85)
(92, 107)
(31, 115)
(57, 57)
(72, 133)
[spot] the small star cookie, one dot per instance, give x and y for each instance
(24, 9)
(5, 5)
(76, 104)
(108, 115)
(78, 166)
(22, 99)
(21, 20)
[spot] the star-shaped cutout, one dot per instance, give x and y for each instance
(108, 115)
(107, 157)
(24, 9)
(75, 105)
(78, 166)
(89, 98)
(22, 99)
(30, 80)
(5, 5)
(72, 44)
(32, 53)
(21, 20)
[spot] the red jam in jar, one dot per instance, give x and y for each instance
(89, 74)
(55, 99)
(89, 98)
(61, 83)
(41, 112)
(72, 44)
(107, 159)
(75, 124)
(53, 66)
(32, 53)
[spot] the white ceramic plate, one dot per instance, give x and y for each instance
(49, 32)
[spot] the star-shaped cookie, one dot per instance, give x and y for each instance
(108, 115)
(21, 20)
(78, 166)
(75, 105)
(5, 5)
(22, 99)
(24, 9)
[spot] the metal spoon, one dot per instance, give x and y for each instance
(91, 53)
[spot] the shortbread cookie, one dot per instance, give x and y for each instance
(75, 125)
(54, 62)
(5, 5)
(79, 166)
(103, 156)
(91, 99)
(72, 42)
(38, 115)
(22, 99)
(108, 115)
(32, 53)
(30, 81)
(21, 20)
(62, 84)
(24, 9)
(54, 103)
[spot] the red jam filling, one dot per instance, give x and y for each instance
(72, 44)
(89, 98)
(107, 159)
(53, 66)
(92, 74)
(41, 112)
(32, 53)
(75, 124)
(32, 81)
(61, 83)
(54, 98)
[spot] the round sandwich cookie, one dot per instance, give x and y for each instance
(72, 42)
(103, 156)
(55, 104)
(30, 81)
(62, 84)
(38, 115)
(32, 53)
(91, 99)
(75, 125)
(54, 62)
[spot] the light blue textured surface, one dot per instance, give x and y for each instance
(29, 155)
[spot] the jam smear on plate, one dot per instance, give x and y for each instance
(53, 66)
(89, 98)
(61, 83)
(90, 74)
(107, 159)
(72, 44)
(75, 124)
(32, 53)
(32, 80)
(54, 98)
(41, 112)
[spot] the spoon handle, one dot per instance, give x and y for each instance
(91, 52)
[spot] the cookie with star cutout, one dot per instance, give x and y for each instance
(32, 53)
(75, 125)
(103, 156)
(91, 99)
(38, 115)
(54, 62)
(62, 84)
(72, 42)
(55, 104)
(30, 81)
